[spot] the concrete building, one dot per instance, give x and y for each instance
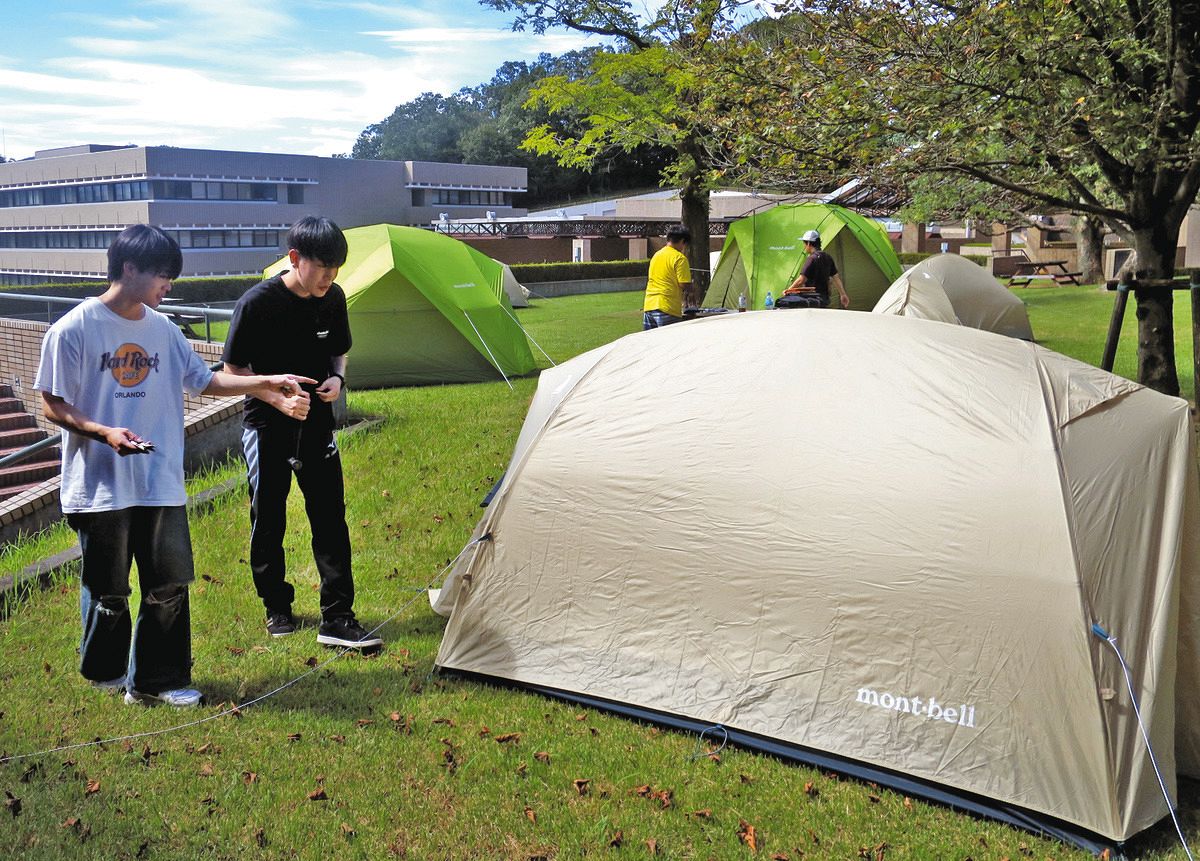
(230, 211)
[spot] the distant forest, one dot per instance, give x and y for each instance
(487, 123)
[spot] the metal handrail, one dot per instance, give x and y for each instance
(209, 314)
(31, 449)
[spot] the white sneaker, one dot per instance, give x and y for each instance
(180, 698)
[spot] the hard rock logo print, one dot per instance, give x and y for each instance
(129, 365)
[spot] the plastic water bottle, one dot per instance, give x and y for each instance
(769, 303)
(742, 301)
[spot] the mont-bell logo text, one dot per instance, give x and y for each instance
(129, 364)
(960, 714)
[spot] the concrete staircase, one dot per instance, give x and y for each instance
(17, 430)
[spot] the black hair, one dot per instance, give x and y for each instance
(318, 238)
(677, 231)
(148, 248)
(815, 243)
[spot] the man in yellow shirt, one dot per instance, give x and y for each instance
(669, 283)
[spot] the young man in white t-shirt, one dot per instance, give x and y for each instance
(112, 373)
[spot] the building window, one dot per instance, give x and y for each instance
(295, 194)
(104, 238)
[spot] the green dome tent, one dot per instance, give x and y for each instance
(764, 252)
(425, 308)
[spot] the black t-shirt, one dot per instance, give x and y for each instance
(274, 331)
(817, 270)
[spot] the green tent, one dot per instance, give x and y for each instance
(764, 252)
(425, 308)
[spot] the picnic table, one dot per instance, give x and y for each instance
(1027, 270)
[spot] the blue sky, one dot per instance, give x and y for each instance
(302, 76)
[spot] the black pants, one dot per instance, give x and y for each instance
(319, 475)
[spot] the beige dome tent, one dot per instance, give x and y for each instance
(952, 289)
(882, 554)
(518, 294)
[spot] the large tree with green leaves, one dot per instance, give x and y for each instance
(1087, 106)
(646, 92)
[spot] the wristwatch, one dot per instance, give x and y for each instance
(340, 377)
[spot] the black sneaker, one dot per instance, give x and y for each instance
(345, 631)
(280, 624)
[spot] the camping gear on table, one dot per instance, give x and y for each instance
(908, 597)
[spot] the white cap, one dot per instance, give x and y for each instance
(811, 236)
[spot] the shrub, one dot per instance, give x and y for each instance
(534, 273)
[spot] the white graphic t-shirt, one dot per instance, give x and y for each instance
(121, 373)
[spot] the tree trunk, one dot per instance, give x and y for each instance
(1089, 239)
(694, 200)
(1155, 252)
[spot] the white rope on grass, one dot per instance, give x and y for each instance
(236, 709)
(489, 350)
(527, 335)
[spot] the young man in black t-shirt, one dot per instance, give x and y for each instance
(298, 319)
(817, 273)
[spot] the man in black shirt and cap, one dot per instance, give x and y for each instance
(297, 319)
(817, 273)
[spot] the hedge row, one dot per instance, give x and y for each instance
(185, 290)
(534, 273)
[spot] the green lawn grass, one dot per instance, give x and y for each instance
(377, 757)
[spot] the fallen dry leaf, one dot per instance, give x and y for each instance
(93, 787)
(879, 851)
(340, 739)
(318, 795)
(811, 790)
(521, 770)
(70, 822)
(780, 856)
(204, 748)
(484, 732)
(236, 650)
(12, 804)
(206, 770)
(249, 777)
(311, 662)
(444, 720)
(507, 737)
(706, 813)
(361, 722)
(531, 815)
(747, 834)
(907, 803)
(652, 846)
(617, 839)
(745, 778)
(581, 716)
(663, 797)
(873, 798)
(542, 757)
(347, 830)
(260, 837)
(294, 736)
(581, 785)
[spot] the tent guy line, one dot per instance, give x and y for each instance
(237, 709)
(1171, 806)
